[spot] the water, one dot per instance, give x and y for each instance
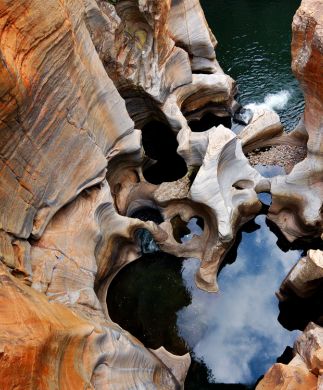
(234, 336)
(236, 332)
(254, 48)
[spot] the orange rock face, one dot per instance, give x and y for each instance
(76, 77)
(298, 197)
(281, 377)
(66, 137)
(307, 65)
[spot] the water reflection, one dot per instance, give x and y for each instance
(270, 170)
(236, 332)
(195, 227)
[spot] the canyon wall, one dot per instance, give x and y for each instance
(297, 206)
(83, 83)
(77, 77)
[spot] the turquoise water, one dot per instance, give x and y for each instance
(254, 48)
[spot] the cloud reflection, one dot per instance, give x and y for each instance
(236, 332)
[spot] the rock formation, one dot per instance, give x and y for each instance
(297, 203)
(73, 74)
(79, 80)
(302, 189)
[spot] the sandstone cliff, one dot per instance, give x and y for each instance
(74, 76)
(79, 80)
(297, 203)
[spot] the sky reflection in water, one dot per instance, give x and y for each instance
(236, 332)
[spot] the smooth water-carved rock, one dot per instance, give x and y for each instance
(263, 129)
(73, 175)
(54, 102)
(62, 122)
(64, 130)
(305, 277)
(305, 369)
(298, 197)
(198, 40)
(228, 186)
(53, 337)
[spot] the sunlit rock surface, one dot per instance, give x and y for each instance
(226, 184)
(65, 129)
(305, 369)
(305, 277)
(298, 197)
(77, 77)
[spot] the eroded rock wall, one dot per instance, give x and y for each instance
(297, 204)
(73, 75)
(77, 77)
(301, 192)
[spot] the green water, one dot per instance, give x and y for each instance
(254, 48)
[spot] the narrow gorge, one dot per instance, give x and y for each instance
(161, 195)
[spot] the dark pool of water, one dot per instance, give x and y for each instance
(254, 48)
(234, 335)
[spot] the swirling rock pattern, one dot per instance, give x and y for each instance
(298, 198)
(65, 129)
(302, 189)
(77, 77)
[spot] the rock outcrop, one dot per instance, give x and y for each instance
(78, 78)
(298, 197)
(74, 76)
(297, 203)
(305, 277)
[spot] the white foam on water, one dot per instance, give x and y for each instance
(272, 101)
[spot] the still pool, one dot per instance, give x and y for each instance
(234, 335)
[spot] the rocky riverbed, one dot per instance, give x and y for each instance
(286, 156)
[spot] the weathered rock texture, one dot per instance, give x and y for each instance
(73, 73)
(76, 78)
(297, 203)
(298, 197)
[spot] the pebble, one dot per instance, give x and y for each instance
(286, 156)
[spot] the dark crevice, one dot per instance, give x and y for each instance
(180, 228)
(184, 231)
(160, 144)
(148, 214)
(231, 255)
(243, 184)
(286, 356)
(208, 121)
(199, 71)
(304, 244)
(296, 312)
